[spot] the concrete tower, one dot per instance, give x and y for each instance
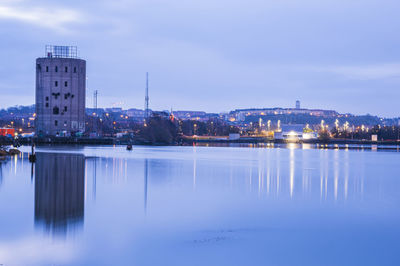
(297, 104)
(60, 91)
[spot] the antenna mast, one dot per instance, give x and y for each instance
(146, 98)
(95, 100)
(95, 111)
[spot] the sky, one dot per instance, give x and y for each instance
(210, 55)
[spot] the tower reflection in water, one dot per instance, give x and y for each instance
(59, 191)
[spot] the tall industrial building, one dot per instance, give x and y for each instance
(297, 104)
(60, 91)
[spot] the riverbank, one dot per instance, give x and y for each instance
(187, 141)
(309, 141)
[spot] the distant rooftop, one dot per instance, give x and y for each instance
(58, 51)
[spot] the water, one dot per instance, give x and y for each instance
(200, 206)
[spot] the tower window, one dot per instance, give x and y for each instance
(65, 123)
(56, 69)
(47, 104)
(56, 110)
(66, 84)
(66, 69)
(47, 98)
(56, 83)
(74, 69)
(47, 68)
(65, 108)
(55, 122)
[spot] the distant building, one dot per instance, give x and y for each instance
(137, 114)
(114, 110)
(95, 111)
(189, 114)
(295, 133)
(234, 136)
(290, 132)
(60, 91)
(7, 132)
(241, 114)
(297, 104)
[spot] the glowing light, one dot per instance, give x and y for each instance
(292, 170)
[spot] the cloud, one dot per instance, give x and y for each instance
(363, 72)
(57, 19)
(32, 250)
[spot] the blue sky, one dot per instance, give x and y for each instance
(213, 55)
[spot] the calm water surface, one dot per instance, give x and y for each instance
(200, 206)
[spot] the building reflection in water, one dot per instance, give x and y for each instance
(59, 191)
(146, 173)
(1, 172)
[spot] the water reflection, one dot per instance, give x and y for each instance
(154, 199)
(1, 170)
(59, 191)
(292, 173)
(63, 181)
(146, 170)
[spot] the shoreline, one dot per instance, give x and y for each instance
(201, 142)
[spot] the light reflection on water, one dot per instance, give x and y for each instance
(126, 206)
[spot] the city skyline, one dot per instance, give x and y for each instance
(239, 56)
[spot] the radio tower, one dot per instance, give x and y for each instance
(146, 98)
(95, 111)
(95, 101)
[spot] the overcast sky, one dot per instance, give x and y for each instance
(213, 55)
